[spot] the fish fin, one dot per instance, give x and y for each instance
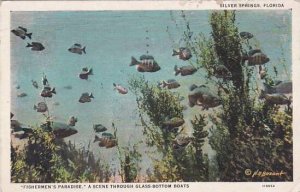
(114, 85)
(77, 45)
(96, 138)
(177, 71)
(53, 91)
(91, 95)
(268, 88)
(260, 68)
(192, 87)
(24, 29)
(91, 71)
(23, 37)
(29, 35)
(83, 50)
(175, 52)
(34, 107)
(133, 61)
(28, 45)
(164, 84)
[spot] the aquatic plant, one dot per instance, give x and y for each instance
(130, 160)
(169, 164)
(245, 127)
(46, 159)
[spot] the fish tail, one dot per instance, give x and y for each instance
(34, 107)
(175, 52)
(133, 61)
(83, 50)
(29, 35)
(53, 91)
(164, 84)
(28, 45)
(91, 95)
(91, 71)
(96, 138)
(177, 71)
(268, 88)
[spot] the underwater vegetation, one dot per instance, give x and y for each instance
(250, 127)
(46, 159)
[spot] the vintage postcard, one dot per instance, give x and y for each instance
(150, 96)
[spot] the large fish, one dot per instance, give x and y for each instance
(99, 128)
(86, 97)
(77, 48)
(246, 35)
(220, 71)
(21, 32)
(181, 141)
(173, 122)
(257, 59)
(84, 74)
(16, 126)
(60, 130)
(203, 96)
(106, 142)
(48, 92)
(147, 64)
(36, 46)
(120, 89)
(254, 51)
(183, 53)
(283, 87)
(170, 84)
(185, 70)
(41, 107)
(277, 99)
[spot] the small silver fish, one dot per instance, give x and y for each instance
(48, 92)
(170, 84)
(22, 95)
(36, 46)
(183, 53)
(86, 97)
(173, 122)
(99, 128)
(68, 87)
(35, 84)
(41, 107)
(77, 48)
(184, 70)
(120, 89)
(84, 74)
(21, 32)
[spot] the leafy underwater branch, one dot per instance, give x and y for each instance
(245, 126)
(170, 163)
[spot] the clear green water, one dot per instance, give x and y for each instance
(111, 38)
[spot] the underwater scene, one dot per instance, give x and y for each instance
(151, 96)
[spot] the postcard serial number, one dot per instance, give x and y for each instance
(268, 185)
